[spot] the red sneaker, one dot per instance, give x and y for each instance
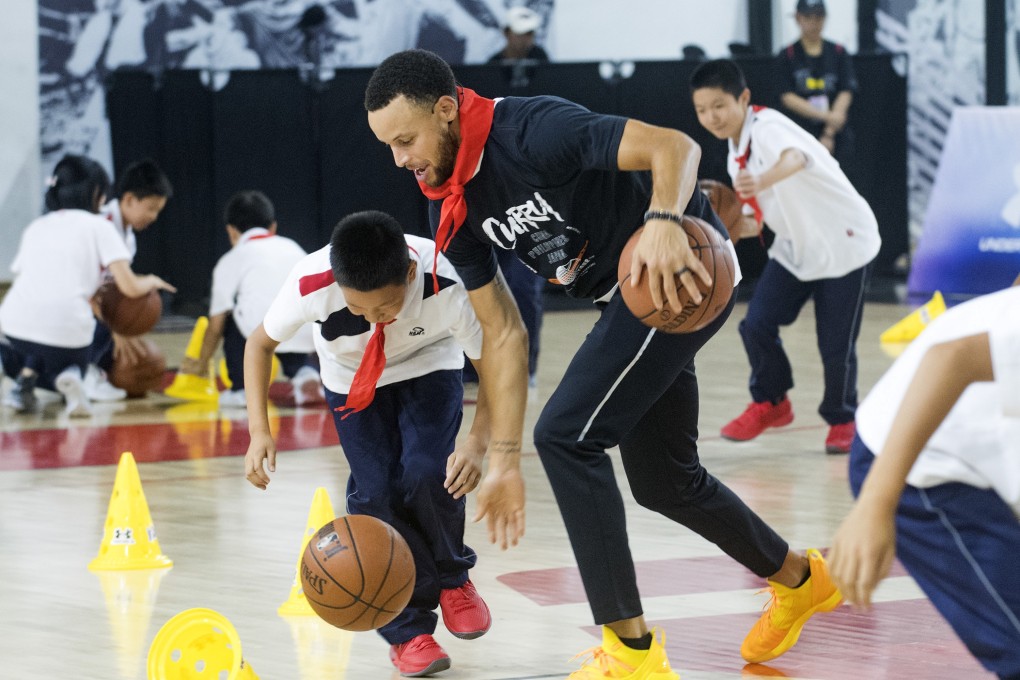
(464, 612)
(758, 417)
(419, 656)
(840, 438)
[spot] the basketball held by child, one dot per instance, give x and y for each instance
(357, 573)
(125, 315)
(708, 245)
(725, 203)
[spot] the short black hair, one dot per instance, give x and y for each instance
(249, 209)
(723, 74)
(368, 251)
(143, 179)
(78, 183)
(421, 76)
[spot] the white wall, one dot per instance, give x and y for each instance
(20, 193)
(840, 23)
(593, 30)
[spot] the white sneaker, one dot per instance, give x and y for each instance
(307, 387)
(232, 399)
(70, 384)
(98, 388)
(22, 397)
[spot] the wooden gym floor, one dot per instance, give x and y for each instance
(234, 547)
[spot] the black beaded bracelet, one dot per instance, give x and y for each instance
(664, 215)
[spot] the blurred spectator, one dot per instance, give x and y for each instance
(519, 29)
(817, 81)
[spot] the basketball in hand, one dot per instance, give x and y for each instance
(708, 244)
(128, 316)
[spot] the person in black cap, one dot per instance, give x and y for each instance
(818, 81)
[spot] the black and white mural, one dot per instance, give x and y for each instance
(944, 41)
(81, 41)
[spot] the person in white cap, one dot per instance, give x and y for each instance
(519, 29)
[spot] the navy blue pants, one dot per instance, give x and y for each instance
(101, 349)
(526, 286)
(46, 361)
(634, 387)
(961, 544)
(397, 449)
(233, 355)
(777, 300)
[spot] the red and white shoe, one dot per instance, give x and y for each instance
(418, 657)
(464, 612)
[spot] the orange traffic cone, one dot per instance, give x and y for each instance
(194, 387)
(320, 513)
(129, 538)
(197, 644)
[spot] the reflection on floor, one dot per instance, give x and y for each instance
(234, 547)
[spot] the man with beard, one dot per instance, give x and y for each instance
(565, 189)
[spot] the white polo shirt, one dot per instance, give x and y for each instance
(57, 269)
(824, 228)
(247, 278)
(431, 333)
(979, 441)
(111, 211)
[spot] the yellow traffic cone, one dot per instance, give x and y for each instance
(197, 644)
(224, 376)
(129, 538)
(320, 513)
(910, 326)
(130, 597)
(323, 651)
(194, 387)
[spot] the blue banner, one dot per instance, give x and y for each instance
(970, 244)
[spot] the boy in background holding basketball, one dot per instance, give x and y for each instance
(826, 237)
(244, 282)
(47, 321)
(935, 468)
(391, 334)
(142, 192)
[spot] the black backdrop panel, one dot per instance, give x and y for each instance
(358, 171)
(265, 137)
(309, 147)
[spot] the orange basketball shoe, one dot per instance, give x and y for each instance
(419, 656)
(464, 612)
(756, 418)
(618, 661)
(789, 609)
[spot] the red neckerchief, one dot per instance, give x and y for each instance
(742, 164)
(373, 362)
(475, 113)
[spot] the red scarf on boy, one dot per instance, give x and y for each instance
(475, 114)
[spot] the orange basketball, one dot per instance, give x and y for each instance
(725, 204)
(709, 246)
(142, 376)
(128, 316)
(357, 573)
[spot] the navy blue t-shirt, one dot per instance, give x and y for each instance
(549, 189)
